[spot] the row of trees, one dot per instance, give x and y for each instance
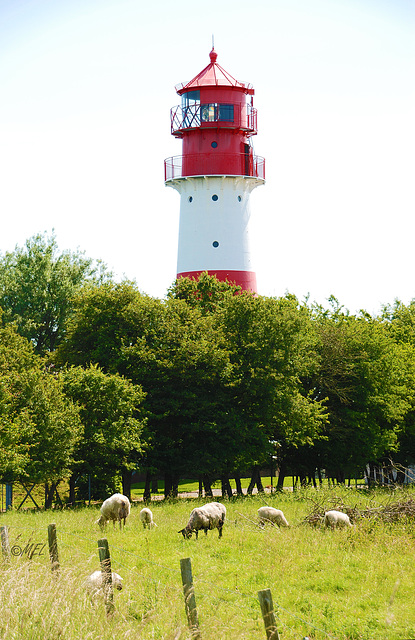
(98, 379)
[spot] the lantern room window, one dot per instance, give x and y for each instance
(226, 112)
(217, 112)
(190, 109)
(190, 98)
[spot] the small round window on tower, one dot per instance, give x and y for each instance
(214, 144)
(190, 198)
(239, 198)
(215, 244)
(215, 197)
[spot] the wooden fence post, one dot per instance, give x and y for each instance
(53, 548)
(5, 544)
(105, 560)
(267, 610)
(189, 598)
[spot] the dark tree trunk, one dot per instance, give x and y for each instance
(312, 479)
(200, 487)
(171, 485)
(226, 487)
(147, 487)
(259, 484)
(238, 483)
(255, 480)
(341, 476)
(72, 483)
(251, 484)
(207, 483)
(154, 485)
(168, 485)
(49, 491)
(126, 483)
(281, 476)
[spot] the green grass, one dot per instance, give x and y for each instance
(354, 584)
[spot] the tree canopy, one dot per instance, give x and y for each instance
(37, 283)
(39, 425)
(210, 381)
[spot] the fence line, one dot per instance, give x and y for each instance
(55, 565)
(200, 581)
(227, 590)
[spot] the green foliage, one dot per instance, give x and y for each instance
(16, 426)
(104, 320)
(272, 345)
(39, 426)
(400, 322)
(364, 376)
(36, 287)
(110, 414)
(183, 365)
(221, 372)
(224, 378)
(207, 293)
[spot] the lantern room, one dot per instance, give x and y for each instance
(215, 121)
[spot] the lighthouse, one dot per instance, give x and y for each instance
(215, 175)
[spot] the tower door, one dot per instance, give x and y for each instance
(247, 149)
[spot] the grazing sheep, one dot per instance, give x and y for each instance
(115, 508)
(269, 514)
(210, 516)
(146, 518)
(95, 584)
(336, 519)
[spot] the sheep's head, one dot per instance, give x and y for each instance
(117, 582)
(187, 533)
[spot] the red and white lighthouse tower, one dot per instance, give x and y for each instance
(215, 175)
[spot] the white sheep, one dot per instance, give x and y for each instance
(115, 508)
(95, 586)
(146, 518)
(210, 516)
(336, 519)
(274, 516)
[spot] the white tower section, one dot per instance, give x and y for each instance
(208, 236)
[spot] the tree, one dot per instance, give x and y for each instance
(183, 364)
(273, 347)
(400, 322)
(39, 426)
(363, 375)
(205, 293)
(16, 426)
(221, 372)
(104, 320)
(175, 354)
(110, 414)
(37, 284)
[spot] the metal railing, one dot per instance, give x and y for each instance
(244, 117)
(208, 164)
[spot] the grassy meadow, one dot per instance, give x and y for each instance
(345, 584)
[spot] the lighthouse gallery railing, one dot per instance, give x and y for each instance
(191, 117)
(252, 166)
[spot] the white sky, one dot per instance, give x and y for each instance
(86, 88)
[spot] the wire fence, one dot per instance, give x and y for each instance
(16, 543)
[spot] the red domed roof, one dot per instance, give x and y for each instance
(213, 75)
